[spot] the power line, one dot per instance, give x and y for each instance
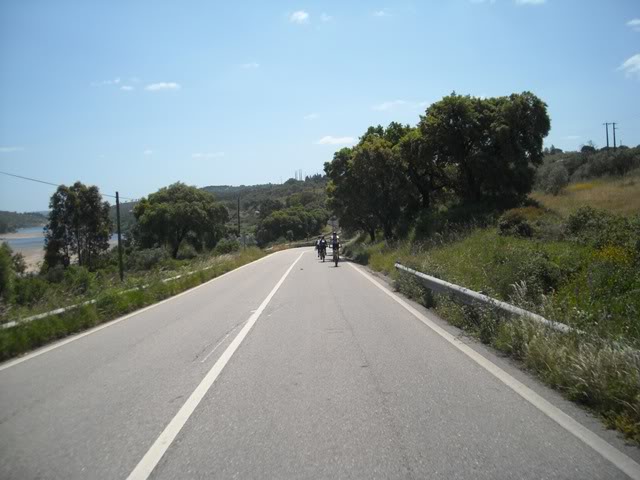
(56, 184)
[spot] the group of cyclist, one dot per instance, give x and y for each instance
(321, 246)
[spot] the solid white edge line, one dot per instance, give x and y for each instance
(143, 470)
(608, 451)
(53, 346)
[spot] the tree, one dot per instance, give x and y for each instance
(179, 213)
(79, 225)
(268, 206)
(292, 223)
(493, 144)
(343, 194)
(426, 171)
(368, 188)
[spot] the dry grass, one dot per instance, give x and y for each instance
(620, 196)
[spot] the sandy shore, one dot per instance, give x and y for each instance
(33, 258)
(16, 236)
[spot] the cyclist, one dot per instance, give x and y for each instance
(335, 240)
(322, 247)
(317, 247)
(335, 245)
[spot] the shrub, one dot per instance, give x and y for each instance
(513, 222)
(146, 259)
(186, 252)
(79, 279)
(599, 228)
(225, 246)
(557, 179)
(6, 272)
(30, 290)
(55, 274)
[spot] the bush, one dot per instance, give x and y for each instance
(6, 272)
(513, 222)
(186, 252)
(79, 279)
(55, 274)
(225, 246)
(146, 259)
(557, 179)
(599, 228)
(30, 290)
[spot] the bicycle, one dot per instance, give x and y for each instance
(336, 255)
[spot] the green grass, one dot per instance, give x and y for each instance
(114, 302)
(583, 270)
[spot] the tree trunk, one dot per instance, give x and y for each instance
(372, 234)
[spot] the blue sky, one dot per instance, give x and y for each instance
(134, 95)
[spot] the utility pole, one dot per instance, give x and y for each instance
(119, 237)
(607, 127)
(238, 216)
(614, 136)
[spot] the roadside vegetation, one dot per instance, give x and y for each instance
(179, 231)
(174, 239)
(562, 239)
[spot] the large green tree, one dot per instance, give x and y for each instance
(179, 213)
(368, 188)
(494, 144)
(79, 225)
(295, 222)
(428, 173)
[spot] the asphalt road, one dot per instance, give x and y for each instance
(290, 368)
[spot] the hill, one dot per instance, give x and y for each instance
(11, 221)
(256, 199)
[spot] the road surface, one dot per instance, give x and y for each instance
(290, 368)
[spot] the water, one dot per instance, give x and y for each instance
(32, 238)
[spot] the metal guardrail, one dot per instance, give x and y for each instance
(470, 297)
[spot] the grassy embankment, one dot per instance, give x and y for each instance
(112, 298)
(576, 266)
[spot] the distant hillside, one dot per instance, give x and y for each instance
(252, 195)
(309, 193)
(11, 221)
(127, 219)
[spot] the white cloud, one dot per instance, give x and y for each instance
(10, 149)
(384, 106)
(634, 24)
(148, 151)
(299, 17)
(530, 2)
(156, 87)
(631, 66)
(250, 65)
(207, 156)
(126, 88)
(311, 116)
(381, 13)
(326, 18)
(331, 140)
(115, 81)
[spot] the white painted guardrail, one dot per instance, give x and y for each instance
(470, 297)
